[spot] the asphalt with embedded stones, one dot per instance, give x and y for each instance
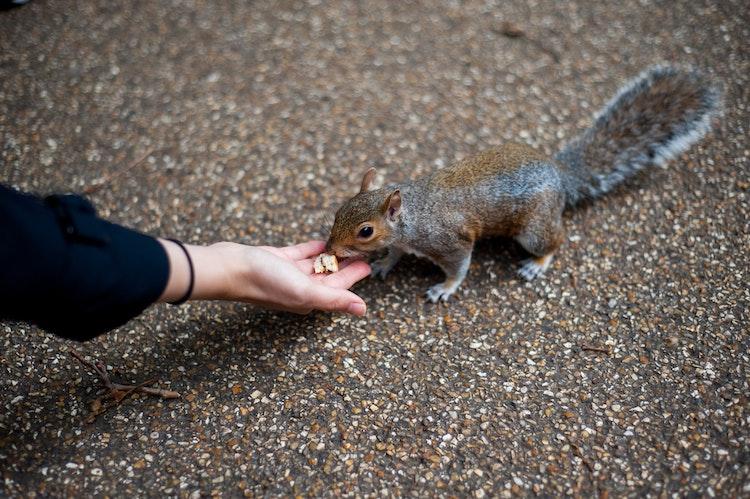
(623, 372)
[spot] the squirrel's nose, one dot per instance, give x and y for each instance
(328, 246)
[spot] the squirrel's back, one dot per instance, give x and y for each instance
(486, 165)
(652, 119)
(494, 192)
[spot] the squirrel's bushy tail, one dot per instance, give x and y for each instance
(650, 120)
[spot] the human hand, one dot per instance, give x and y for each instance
(278, 278)
(283, 279)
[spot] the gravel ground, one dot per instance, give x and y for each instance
(257, 120)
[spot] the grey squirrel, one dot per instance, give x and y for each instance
(515, 191)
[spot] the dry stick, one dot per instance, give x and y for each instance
(539, 45)
(102, 181)
(577, 451)
(511, 30)
(101, 371)
(158, 392)
(137, 387)
(592, 348)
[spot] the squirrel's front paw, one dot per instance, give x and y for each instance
(380, 268)
(439, 292)
(534, 267)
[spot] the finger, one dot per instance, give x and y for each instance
(348, 275)
(348, 261)
(336, 300)
(306, 266)
(304, 250)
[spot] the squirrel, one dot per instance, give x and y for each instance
(517, 192)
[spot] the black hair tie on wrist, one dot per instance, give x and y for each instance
(192, 274)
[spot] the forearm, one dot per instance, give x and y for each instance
(78, 276)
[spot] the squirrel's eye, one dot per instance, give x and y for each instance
(365, 232)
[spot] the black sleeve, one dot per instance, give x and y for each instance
(71, 272)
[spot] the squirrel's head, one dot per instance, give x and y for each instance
(365, 223)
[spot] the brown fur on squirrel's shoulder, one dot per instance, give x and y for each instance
(486, 164)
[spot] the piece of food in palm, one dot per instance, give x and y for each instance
(325, 263)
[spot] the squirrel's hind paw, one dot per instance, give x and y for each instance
(534, 267)
(439, 293)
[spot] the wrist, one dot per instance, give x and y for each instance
(218, 279)
(178, 279)
(211, 278)
(232, 265)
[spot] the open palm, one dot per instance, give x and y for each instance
(283, 278)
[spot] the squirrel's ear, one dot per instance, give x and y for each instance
(367, 180)
(393, 205)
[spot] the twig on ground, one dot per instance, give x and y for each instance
(124, 395)
(511, 30)
(102, 181)
(577, 452)
(594, 348)
(117, 391)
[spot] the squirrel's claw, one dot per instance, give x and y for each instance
(531, 268)
(439, 293)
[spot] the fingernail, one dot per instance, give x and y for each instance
(357, 309)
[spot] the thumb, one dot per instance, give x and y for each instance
(336, 300)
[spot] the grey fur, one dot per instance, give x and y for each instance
(443, 241)
(514, 191)
(652, 119)
(506, 190)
